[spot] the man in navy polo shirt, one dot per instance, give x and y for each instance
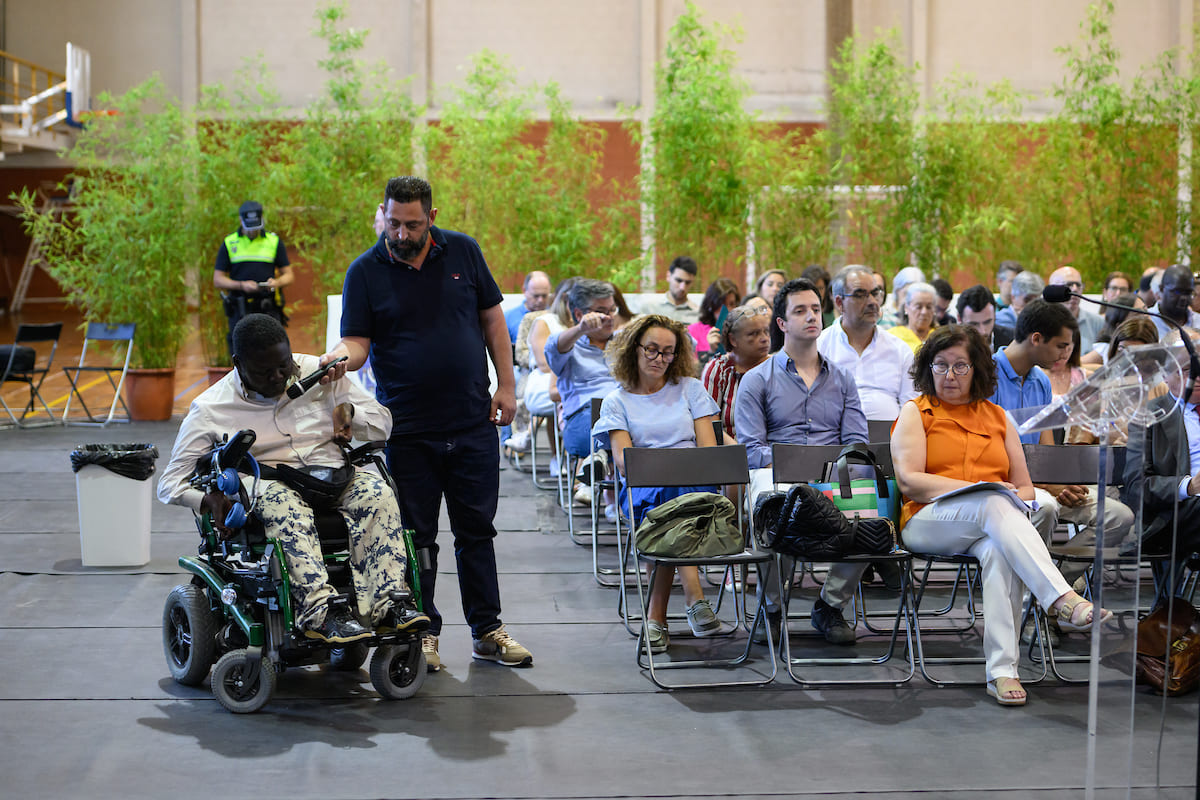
(423, 305)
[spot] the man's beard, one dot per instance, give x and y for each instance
(409, 247)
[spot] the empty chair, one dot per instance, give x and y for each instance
(120, 336)
(24, 364)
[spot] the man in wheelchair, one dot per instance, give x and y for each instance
(306, 434)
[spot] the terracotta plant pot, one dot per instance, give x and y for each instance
(216, 373)
(150, 394)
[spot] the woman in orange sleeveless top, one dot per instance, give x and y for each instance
(952, 437)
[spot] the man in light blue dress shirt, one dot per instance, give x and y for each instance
(797, 397)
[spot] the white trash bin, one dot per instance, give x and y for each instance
(114, 517)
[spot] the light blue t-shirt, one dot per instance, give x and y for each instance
(582, 372)
(666, 418)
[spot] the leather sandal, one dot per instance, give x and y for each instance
(999, 688)
(1074, 617)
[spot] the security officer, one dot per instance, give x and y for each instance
(247, 267)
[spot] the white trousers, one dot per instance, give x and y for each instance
(1011, 552)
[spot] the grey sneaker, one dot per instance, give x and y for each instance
(702, 620)
(498, 646)
(429, 644)
(829, 621)
(657, 637)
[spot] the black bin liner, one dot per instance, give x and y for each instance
(128, 460)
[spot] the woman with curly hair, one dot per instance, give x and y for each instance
(659, 404)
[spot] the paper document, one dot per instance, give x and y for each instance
(988, 486)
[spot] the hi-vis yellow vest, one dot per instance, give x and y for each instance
(242, 248)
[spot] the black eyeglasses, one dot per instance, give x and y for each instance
(653, 354)
(863, 294)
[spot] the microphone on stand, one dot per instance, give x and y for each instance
(1061, 294)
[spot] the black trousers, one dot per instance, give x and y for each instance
(464, 468)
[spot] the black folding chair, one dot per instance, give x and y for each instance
(112, 334)
(25, 364)
(702, 466)
(795, 463)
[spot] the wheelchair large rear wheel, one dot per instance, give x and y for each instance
(234, 686)
(397, 671)
(189, 629)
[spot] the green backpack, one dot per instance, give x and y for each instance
(693, 525)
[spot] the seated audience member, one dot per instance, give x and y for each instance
(945, 296)
(576, 357)
(1148, 285)
(720, 297)
(1090, 323)
(1112, 318)
(1004, 276)
(767, 286)
(879, 363)
(536, 295)
(951, 437)
(1116, 284)
(746, 342)
(529, 351)
(1066, 370)
(819, 277)
(300, 432)
(759, 303)
(624, 315)
(659, 404)
(1175, 300)
(920, 304)
(977, 309)
(892, 315)
(798, 397)
(1168, 457)
(1026, 286)
(1045, 334)
(1133, 332)
(681, 274)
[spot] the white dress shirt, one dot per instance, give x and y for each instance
(294, 432)
(881, 372)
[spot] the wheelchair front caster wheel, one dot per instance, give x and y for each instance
(398, 671)
(348, 658)
(235, 685)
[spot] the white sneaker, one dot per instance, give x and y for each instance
(594, 467)
(583, 495)
(518, 442)
(610, 514)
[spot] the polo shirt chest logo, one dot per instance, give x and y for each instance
(455, 275)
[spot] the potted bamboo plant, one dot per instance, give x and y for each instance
(122, 255)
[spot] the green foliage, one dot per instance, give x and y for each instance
(524, 191)
(701, 139)
(1115, 151)
(795, 210)
(336, 163)
(124, 251)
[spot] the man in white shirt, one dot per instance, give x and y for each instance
(301, 432)
(879, 363)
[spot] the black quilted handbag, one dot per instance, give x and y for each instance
(811, 526)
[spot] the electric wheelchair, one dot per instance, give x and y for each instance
(236, 618)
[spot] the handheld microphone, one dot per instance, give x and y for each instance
(1060, 294)
(308, 381)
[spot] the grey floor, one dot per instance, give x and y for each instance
(87, 708)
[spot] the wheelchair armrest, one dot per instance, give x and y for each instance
(364, 453)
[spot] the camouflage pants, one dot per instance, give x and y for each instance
(377, 557)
